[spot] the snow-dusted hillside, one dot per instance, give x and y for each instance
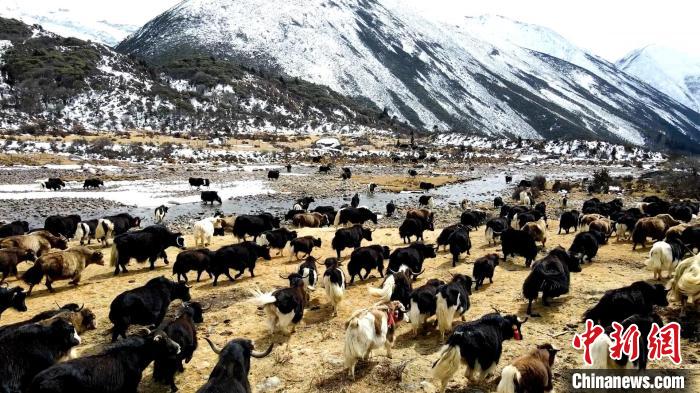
(51, 82)
(427, 73)
(669, 71)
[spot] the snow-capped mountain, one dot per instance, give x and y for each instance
(67, 22)
(428, 73)
(669, 71)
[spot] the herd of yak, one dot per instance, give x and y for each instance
(36, 354)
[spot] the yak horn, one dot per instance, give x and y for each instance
(522, 320)
(284, 277)
(391, 271)
(81, 307)
(259, 355)
(57, 305)
(213, 346)
(207, 308)
(499, 311)
(419, 273)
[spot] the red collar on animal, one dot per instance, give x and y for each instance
(516, 333)
(390, 320)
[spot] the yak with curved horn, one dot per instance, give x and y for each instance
(230, 374)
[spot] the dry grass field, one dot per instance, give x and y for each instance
(312, 358)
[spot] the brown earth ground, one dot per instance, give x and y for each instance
(312, 359)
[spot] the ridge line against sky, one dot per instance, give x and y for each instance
(608, 28)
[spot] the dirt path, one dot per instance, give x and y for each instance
(312, 360)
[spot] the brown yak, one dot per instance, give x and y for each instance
(309, 220)
(40, 242)
(62, 265)
(10, 258)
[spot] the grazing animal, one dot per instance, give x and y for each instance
(10, 258)
(423, 303)
(459, 243)
(204, 230)
(681, 212)
(289, 216)
(14, 228)
(390, 209)
(497, 202)
(350, 238)
(396, 286)
(12, 298)
(93, 183)
(665, 255)
(525, 199)
(426, 200)
(355, 201)
(210, 197)
(425, 215)
(254, 225)
(182, 330)
(690, 237)
(617, 304)
(304, 203)
(354, 216)
(85, 231)
(310, 220)
(159, 213)
(83, 319)
(494, 228)
(509, 179)
(685, 285)
(273, 174)
(529, 373)
(309, 273)
(472, 219)
(62, 225)
(425, 186)
(230, 375)
(239, 257)
(324, 169)
(119, 368)
(62, 265)
(277, 239)
(198, 260)
(484, 268)
(289, 168)
(411, 227)
(149, 244)
(334, 283)
(145, 305)
(451, 299)
(653, 227)
(517, 242)
(39, 242)
(111, 226)
(328, 211)
(369, 329)
(538, 230)
(587, 219)
(602, 225)
(367, 258)
(371, 188)
(551, 276)
(304, 244)
(53, 183)
(284, 307)
(445, 234)
(568, 220)
(412, 172)
(675, 232)
(477, 344)
(198, 182)
(412, 257)
(30, 349)
(585, 245)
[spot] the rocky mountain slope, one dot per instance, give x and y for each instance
(671, 72)
(434, 76)
(51, 82)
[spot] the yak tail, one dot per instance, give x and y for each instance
(262, 240)
(445, 367)
(510, 376)
(385, 291)
(336, 220)
(34, 275)
(261, 299)
(656, 257)
(79, 233)
(444, 313)
(600, 352)
(114, 255)
(414, 316)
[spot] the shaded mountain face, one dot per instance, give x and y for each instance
(52, 82)
(448, 77)
(671, 72)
